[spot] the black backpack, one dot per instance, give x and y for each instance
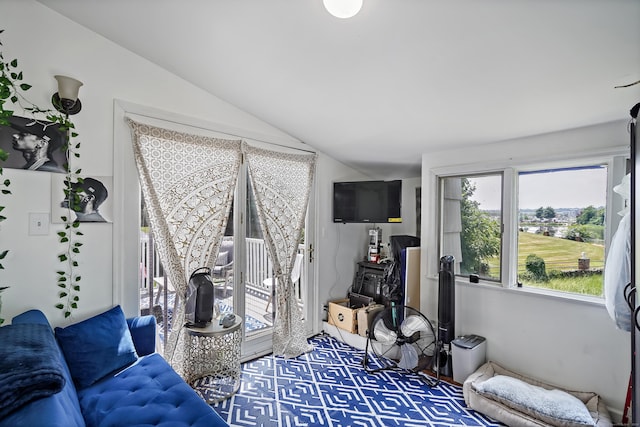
(199, 301)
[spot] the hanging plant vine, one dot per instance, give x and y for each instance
(68, 278)
(11, 88)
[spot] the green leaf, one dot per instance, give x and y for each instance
(76, 298)
(75, 263)
(64, 240)
(63, 294)
(62, 257)
(59, 306)
(74, 305)
(62, 285)
(78, 278)
(67, 314)
(3, 254)
(14, 63)
(75, 251)
(25, 86)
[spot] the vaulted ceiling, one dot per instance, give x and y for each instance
(402, 77)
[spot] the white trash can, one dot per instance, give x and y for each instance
(468, 352)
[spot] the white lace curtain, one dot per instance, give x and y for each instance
(281, 184)
(187, 182)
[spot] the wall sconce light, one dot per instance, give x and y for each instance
(66, 99)
(343, 8)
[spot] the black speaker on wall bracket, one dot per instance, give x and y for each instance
(446, 315)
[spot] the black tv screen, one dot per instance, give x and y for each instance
(367, 201)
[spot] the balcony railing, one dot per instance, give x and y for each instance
(158, 297)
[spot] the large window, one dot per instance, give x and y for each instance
(561, 229)
(540, 228)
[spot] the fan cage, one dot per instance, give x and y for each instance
(400, 337)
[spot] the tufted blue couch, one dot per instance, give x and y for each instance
(146, 392)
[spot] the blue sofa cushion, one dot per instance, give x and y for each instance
(143, 333)
(149, 393)
(97, 346)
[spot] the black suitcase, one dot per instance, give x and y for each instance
(199, 301)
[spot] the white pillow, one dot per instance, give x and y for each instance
(555, 407)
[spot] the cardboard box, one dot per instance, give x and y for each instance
(365, 317)
(342, 316)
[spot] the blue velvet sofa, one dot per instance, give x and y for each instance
(100, 372)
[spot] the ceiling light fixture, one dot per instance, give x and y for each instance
(343, 8)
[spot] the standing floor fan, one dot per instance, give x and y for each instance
(400, 337)
(446, 316)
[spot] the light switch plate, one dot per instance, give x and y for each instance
(38, 224)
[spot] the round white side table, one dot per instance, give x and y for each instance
(212, 360)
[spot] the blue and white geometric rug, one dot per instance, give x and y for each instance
(329, 387)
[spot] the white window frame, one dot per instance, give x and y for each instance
(616, 169)
(500, 173)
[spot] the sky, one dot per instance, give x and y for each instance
(563, 189)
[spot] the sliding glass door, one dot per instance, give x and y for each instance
(253, 279)
(243, 275)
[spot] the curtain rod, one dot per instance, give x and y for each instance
(128, 114)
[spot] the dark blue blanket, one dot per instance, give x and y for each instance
(30, 365)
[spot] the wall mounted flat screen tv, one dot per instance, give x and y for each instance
(367, 201)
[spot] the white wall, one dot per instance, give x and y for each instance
(566, 342)
(46, 44)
